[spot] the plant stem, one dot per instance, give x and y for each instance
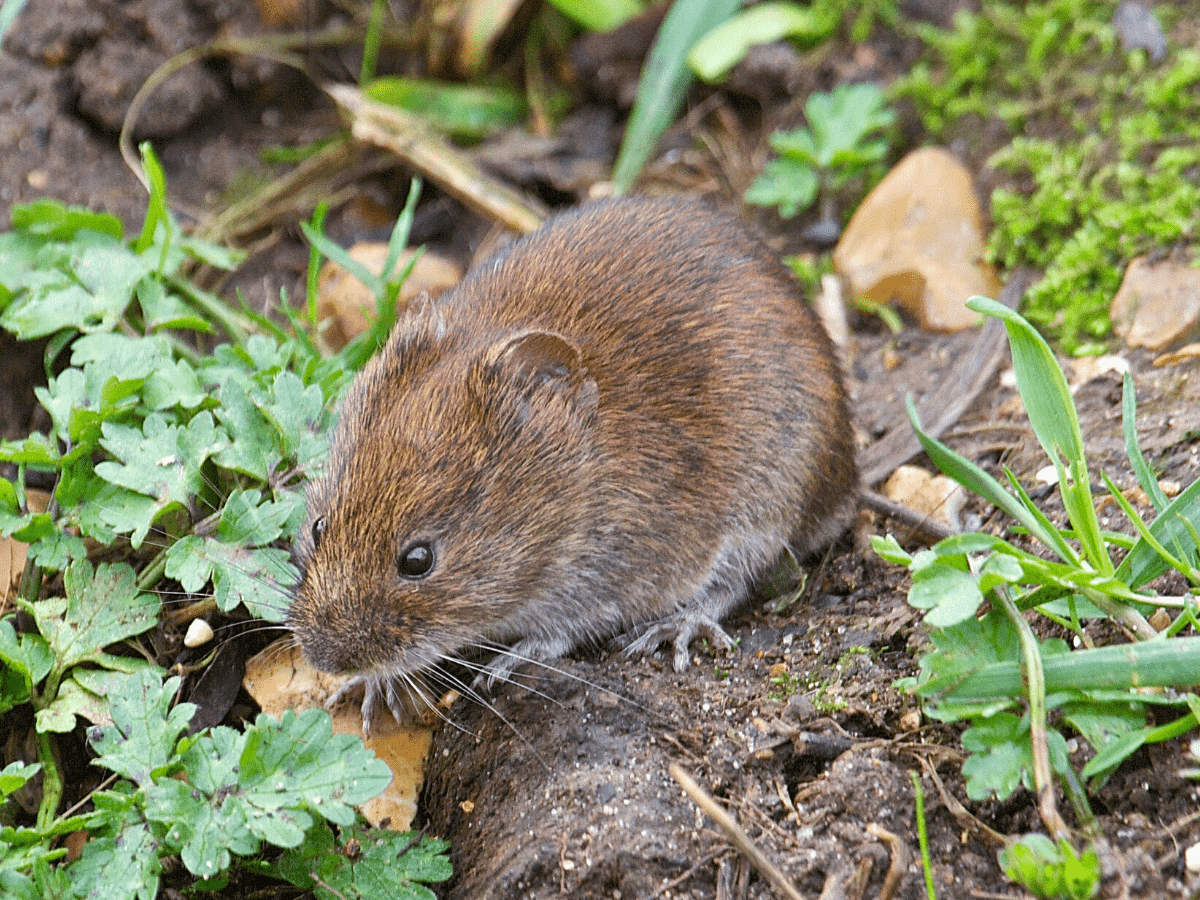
(52, 784)
(1035, 689)
(923, 837)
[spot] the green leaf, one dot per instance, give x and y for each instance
(842, 119)
(173, 384)
(467, 112)
(15, 774)
(161, 461)
(141, 741)
(1047, 869)
(664, 82)
(1137, 460)
(949, 595)
(1002, 756)
(101, 607)
(725, 46)
(55, 551)
(787, 184)
(602, 16)
(1142, 564)
(975, 479)
(119, 866)
(56, 221)
(298, 759)
(88, 693)
(24, 661)
(163, 309)
(1047, 399)
(388, 864)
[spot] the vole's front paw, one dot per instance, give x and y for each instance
(679, 629)
(376, 691)
(530, 650)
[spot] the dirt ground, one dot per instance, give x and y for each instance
(562, 789)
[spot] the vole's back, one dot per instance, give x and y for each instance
(631, 411)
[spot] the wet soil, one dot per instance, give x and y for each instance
(561, 789)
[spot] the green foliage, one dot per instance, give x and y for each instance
(725, 46)
(984, 670)
(822, 157)
(467, 112)
(189, 468)
(213, 796)
(385, 864)
(664, 82)
(1046, 869)
(598, 16)
(1078, 208)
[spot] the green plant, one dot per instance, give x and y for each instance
(923, 835)
(1017, 692)
(725, 46)
(1101, 161)
(834, 148)
(1047, 869)
(664, 82)
(185, 468)
(204, 798)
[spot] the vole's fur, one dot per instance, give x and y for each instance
(625, 416)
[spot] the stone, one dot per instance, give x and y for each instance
(344, 303)
(917, 240)
(1157, 304)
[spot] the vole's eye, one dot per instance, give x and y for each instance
(415, 561)
(318, 530)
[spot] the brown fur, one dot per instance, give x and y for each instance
(628, 412)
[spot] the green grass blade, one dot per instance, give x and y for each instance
(594, 16)
(664, 82)
(1141, 468)
(1047, 398)
(973, 478)
(1161, 663)
(726, 45)
(1172, 528)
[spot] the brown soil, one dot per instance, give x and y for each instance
(563, 789)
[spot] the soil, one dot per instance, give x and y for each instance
(562, 788)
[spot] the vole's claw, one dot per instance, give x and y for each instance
(377, 691)
(680, 629)
(504, 665)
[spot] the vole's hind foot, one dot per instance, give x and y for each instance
(504, 665)
(377, 691)
(680, 629)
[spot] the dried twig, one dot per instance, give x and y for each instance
(737, 836)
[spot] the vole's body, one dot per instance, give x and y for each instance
(626, 416)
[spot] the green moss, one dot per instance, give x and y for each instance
(1103, 158)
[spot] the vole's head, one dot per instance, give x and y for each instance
(455, 490)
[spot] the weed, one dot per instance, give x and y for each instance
(189, 467)
(1018, 693)
(1103, 160)
(835, 147)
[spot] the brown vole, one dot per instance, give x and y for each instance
(622, 419)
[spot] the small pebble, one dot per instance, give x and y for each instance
(198, 634)
(1191, 858)
(1139, 29)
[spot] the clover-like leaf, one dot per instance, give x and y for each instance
(388, 864)
(123, 865)
(101, 607)
(141, 741)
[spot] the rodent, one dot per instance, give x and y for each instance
(624, 417)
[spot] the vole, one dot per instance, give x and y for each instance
(618, 422)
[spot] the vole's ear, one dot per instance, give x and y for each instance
(544, 366)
